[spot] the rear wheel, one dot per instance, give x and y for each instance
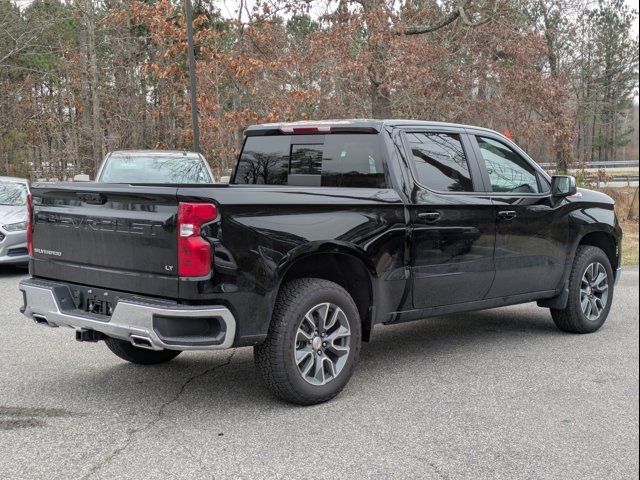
(590, 292)
(313, 342)
(141, 356)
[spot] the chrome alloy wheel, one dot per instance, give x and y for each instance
(322, 343)
(594, 291)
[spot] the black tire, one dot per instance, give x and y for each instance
(275, 357)
(141, 356)
(572, 318)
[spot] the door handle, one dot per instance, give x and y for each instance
(428, 217)
(507, 214)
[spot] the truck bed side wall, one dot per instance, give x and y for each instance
(263, 232)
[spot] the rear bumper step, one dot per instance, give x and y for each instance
(146, 323)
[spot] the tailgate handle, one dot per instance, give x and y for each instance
(93, 198)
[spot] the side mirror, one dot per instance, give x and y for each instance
(563, 186)
(81, 177)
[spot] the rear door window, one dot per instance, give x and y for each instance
(440, 162)
(333, 160)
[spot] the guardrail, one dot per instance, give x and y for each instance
(601, 164)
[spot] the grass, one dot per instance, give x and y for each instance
(627, 211)
(630, 243)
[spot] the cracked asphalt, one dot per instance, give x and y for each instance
(499, 394)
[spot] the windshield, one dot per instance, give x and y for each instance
(154, 169)
(13, 193)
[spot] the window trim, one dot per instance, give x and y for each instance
(538, 170)
(477, 179)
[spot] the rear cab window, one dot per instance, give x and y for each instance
(329, 160)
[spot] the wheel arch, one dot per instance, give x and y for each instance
(603, 238)
(340, 264)
(605, 241)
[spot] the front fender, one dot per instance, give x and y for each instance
(586, 219)
(594, 219)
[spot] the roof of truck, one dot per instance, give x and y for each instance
(356, 124)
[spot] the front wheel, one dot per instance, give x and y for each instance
(313, 342)
(590, 292)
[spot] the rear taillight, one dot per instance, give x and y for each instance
(194, 252)
(30, 225)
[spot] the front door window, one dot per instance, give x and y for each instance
(508, 171)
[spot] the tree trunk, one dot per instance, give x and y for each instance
(85, 152)
(562, 151)
(95, 99)
(379, 93)
(633, 208)
(380, 102)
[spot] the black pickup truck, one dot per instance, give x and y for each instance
(326, 230)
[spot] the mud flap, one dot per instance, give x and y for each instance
(559, 302)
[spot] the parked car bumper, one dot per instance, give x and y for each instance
(145, 322)
(13, 247)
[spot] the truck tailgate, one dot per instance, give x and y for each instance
(119, 237)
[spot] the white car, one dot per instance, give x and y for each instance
(13, 220)
(152, 167)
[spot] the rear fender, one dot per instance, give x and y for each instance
(298, 257)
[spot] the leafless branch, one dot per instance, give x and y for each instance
(460, 11)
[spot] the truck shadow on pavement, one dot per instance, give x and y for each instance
(228, 380)
(13, 271)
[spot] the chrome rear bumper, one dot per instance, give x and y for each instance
(145, 322)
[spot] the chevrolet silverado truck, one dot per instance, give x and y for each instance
(325, 230)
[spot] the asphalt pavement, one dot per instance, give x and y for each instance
(499, 394)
